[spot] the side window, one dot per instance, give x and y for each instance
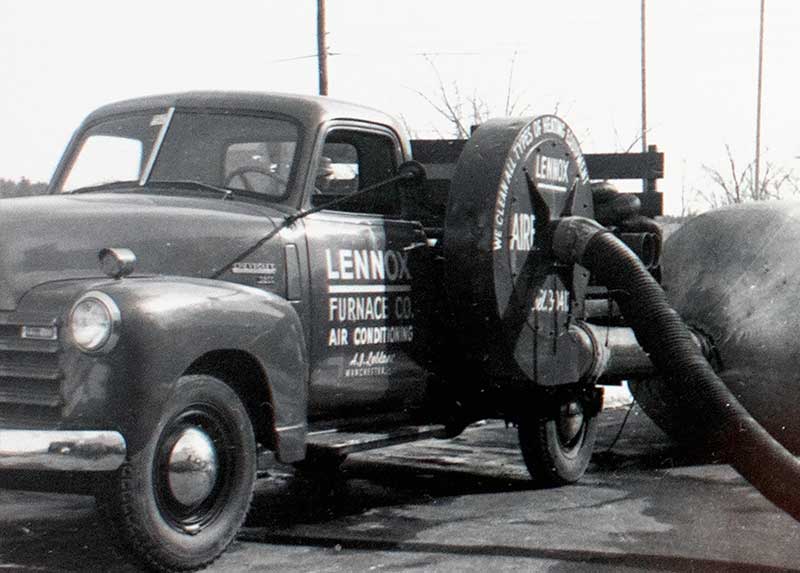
(337, 172)
(352, 160)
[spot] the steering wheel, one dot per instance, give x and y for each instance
(241, 171)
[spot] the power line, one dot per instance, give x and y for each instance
(297, 58)
(381, 52)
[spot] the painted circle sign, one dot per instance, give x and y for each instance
(509, 295)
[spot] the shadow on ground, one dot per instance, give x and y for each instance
(369, 493)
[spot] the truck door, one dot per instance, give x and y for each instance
(363, 261)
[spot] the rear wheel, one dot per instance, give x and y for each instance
(557, 444)
(178, 502)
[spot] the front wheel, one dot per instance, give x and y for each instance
(557, 443)
(178, 502)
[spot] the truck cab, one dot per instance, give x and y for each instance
(345, 270)
(214, 316)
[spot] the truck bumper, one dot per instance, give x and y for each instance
(59, 450)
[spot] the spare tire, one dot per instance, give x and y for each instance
(510, 304)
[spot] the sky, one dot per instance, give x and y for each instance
(579, 58)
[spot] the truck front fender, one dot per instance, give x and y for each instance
(170, 323)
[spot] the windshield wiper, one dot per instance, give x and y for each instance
(103, 187)
(193, 184)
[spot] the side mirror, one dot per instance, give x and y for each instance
(117, 262)
(412, 173)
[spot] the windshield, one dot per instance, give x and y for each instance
(237, 152)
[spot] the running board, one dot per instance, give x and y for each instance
(345, 442)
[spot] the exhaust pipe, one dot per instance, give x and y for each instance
(616, 354)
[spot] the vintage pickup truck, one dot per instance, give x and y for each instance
(212, 276)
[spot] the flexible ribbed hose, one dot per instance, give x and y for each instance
(751, 450)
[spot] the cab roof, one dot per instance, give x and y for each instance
(309, 110)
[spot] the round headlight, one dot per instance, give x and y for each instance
(93, 321)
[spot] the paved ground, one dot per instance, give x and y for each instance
(463, 505)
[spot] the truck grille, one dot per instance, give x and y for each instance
(30, 378)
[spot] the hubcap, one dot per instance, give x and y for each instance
(570, 423)
(192, 467)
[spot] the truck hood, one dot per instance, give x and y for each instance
(57, 237)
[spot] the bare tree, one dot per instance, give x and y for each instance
(462, 112)
(633, 142)
(737, 185)
(409, 130)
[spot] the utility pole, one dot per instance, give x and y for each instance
(322, 49)
(757, 185)
(644, 86)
